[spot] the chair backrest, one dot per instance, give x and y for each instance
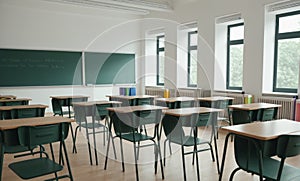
(163, 104)
(245, 152)
(240, 117)
(267, 114)
(15, 103)
(184, 104)
(223, 104)
(143, 101)
(78, 99)
(174, 129)
(102, 112)
(204, 119)
(31, 136)
(56, 107)
(206, 104)
(79, 114)
(147, 117)
(128, 122)
(288, 146)
(30, 112)
(121, 122)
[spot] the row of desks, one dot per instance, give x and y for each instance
(176, 113)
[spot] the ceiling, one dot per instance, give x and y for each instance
(131, 6)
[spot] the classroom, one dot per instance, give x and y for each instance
(193, 53)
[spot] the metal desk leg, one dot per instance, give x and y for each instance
(216, 152)
(1, 159)
(224, 155)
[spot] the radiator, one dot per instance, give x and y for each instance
(287, 109)
(181, 92)
(238, 97)
(155, 91)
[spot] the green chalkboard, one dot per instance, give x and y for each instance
(39, 68)
(109, 68)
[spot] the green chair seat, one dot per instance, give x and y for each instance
(135, 137)
(93, 125)
(270, 169)
(42, 166)
(187, 140)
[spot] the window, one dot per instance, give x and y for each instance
(192, 58)
(160, 54)
(287, 52)
(235, 46)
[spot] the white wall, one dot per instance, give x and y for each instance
(43, 25)
(205, 12)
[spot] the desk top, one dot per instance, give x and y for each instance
(215, 98)
(69, 97)
(7, 97)
(175, 99)
(15, 100)
(36, 121)
(129, 109)
(7, 108)
(131, 97)
(264, 130)
(253, 106)
(190, 110)
(92, 103)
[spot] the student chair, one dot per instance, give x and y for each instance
(178, 105)
(23, 113)
(94, 127)
(248, 158)
(31, 137)
(126, 127)
(57, 108)
(175, 133)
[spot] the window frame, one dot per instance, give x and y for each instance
(282, 36)
(190, 48)
(158, 50)
(229, 43)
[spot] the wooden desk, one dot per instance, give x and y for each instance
(263, 131)
(68, 100)
(19, 101)
(213, 101)
(129, 109)
(132, 100)
(254, 106)
(254, 109)
(171, 102)
(180, 114)
(11, 112)
(82, 111)
(8, 129)
(8, 97)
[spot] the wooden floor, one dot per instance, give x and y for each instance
(82, 170)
